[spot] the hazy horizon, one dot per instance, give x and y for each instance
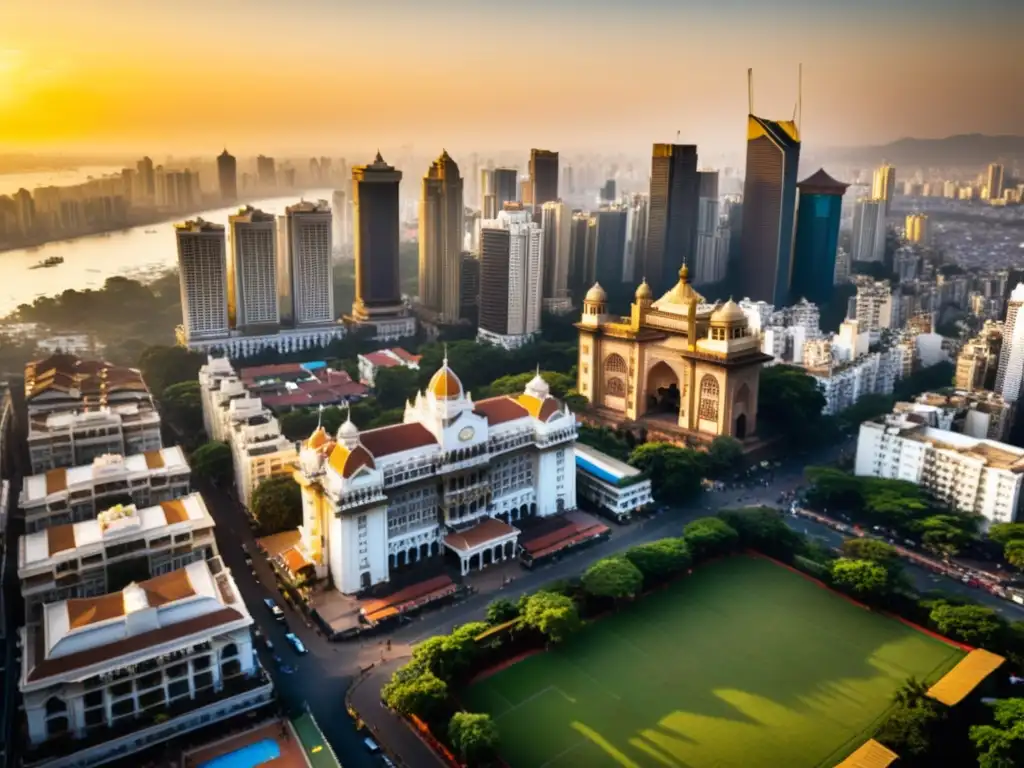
(261, 76)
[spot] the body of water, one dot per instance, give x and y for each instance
(12, 182)
(140, 252)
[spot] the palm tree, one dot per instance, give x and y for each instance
(911, 693)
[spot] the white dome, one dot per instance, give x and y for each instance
(538, 387)
(596, 294)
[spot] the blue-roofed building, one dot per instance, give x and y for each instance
(611, 487)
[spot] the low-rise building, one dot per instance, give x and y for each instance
(975, 476)
(395, 357)
(62, 383)
(614, 488)
(980, 414)
(287, 386)
(105, 676)
(67, 438)
(120, 544)
(75, 494)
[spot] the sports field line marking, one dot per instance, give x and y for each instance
(564, 752)
(526, 701)
(508, 703)
(594, 680)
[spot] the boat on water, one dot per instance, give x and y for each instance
(150, 231)
(52, 261)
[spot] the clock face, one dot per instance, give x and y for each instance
(466, 433)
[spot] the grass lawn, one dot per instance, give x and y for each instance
(741, 664)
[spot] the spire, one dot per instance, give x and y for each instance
(444, 361)
(379, 158)
(320, 415)
(684, 274)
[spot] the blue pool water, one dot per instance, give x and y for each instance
(246, 757)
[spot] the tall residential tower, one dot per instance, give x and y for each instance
(202, 275)
(441, 236)
(252, 270)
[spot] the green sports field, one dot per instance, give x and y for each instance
(744, 663)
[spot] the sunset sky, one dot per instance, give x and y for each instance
(323, 75)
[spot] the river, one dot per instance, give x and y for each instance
(141, 252)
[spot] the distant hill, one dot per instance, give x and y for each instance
(972, 149)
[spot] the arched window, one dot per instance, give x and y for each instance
(55, 706)
(615, 387)
(228, 651)
(615, 364)
(708, 398)
(742, 399)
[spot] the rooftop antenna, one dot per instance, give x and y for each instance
(750, 91)
(799, 97)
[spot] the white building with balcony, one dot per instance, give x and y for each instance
(975, 476)
(105, 676)
(612, 486)
(453, 478)
(68, 438)
(75, 494)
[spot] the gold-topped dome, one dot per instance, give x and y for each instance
(445, 384)
(729, 312)
(643, 291)
(596, 294)
(318, 438)
(681, 294)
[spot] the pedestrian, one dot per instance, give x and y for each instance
(389, 645)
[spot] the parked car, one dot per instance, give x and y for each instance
(268, 644)
(295, 643)
(371, 745)
(274, 608)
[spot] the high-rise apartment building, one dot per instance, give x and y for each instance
(252, 269)
(497, 187)
(868, 243)
(707, 266)
(606, 250)
(202, 274)
(543, 176)
(636, 238)
(817, 237)
(995, 181)
(917, 229)
(769, 207)
(874, 305)
(305, 270)
(556, 221)
(469, 287)
(341, 231)
(147, 179)
(578, 227)
(511, 278)
(227, 177)
(1011, 356)
(672, 214)
(441, 239)
(883, 186)
(266, 171)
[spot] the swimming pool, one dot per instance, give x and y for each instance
(246, 757)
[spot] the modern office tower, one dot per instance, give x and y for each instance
(305, 284)
(543, 176)
(202, 274)
(252, 269)
(511, 278)
(705, 265)
(672, 214)
(608, 191)
(917, 229)
(567, 180)
(769, 209)
(1011, 356)
(606, 250)
(636, 239)
(314, 169)
(874, 305)
(488, 199)
(817, 237)
(266, 171)
(469, 287)
(556, 221)
(227, 177)
(145, 170)
(341, 222)
(441, 239)
(497, 187)
(868, 242)
(883, 186)
(578, 227)
(526, 191)
(995, 181)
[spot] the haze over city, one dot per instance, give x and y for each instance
(188, 76)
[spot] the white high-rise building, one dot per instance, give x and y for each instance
(874, 305)
(868, 242)
(252, 271)
(341, 206)
(556, 221)
(511, 279)
(308, 271)
(883, 187)
(636, 237)
(1011, 356)
(202, 274)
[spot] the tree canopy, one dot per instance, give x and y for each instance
(972, 624)
(724, 455)
(675, 472)
(910, 729)
(604, 439)
(790, 405)
(422, 694)
(392, 387)
(613, 577)
(764, 529)
(501, 610)
(554, 616)
(709, 537)
(212, 461)
(862, 578)
(660, 559)
(163, 366)
(277, 504)
(182, 405)
(1001, 745)
(474, 737)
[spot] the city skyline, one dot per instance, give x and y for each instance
(851, 96)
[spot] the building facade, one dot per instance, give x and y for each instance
(612, 487)
(441, 235)
(69, 439)
(1011, 355)
(305, 267)
(883, 188)
(868, 243)
(252, 270)
(227, 177)
(819, 213)
(543, 176)
(511, 279)
(671, 214)
(556, 221)
(202, 273)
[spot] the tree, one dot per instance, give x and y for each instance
(554, 616)
(675, 472)
(298, 424)
(971, 624)
(423, 695)
(613, 577)
(182, 404)
(277, 504)
(791, 405)
(605, 440)
(871, 549)
(911, 692)
(392, 387)
(1001, 745)
(501, 610)
(1004, 533)
(660, 559)
(1014, 553)
(945, 534)
(474, 737)
(212, 461)
(862, 578)
(909, 730)
(708, 537)
(763, 529)
(162, 366)
(724, 454)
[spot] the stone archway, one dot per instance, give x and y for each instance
(663, 390)
(614, 375)
(740, 408)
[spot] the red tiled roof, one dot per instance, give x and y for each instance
(485, 531)
(395, 439)
(259, 371)
(408, 357)
(382, 359)
(411, 592)
(548, 409)
(498, 410)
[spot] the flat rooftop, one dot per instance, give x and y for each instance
(38, 487)
(995, 454)
(601, 465)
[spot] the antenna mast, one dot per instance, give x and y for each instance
(750, 91)
(800, 97)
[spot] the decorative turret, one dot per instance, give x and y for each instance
(348, 433)
(538, 387)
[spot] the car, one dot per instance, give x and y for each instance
(386, 761)
(295, 643)
(268, 644)
(372, 746)
(274, 608)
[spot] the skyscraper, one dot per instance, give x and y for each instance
(1011, 356)
(606, 251)
(202, 275)
(252, 269)
(917, 229)
(441, 238)
(817, 237)
(266, 171)
(227, 176)
(672, 213)
(636, 239)
(706, 266)
(499, 186)
(883, 186)
(769, 209)
(543, 176)
(305, 268)
(578, 227)
(341, 208)
(511, 278)
(868, 242)
(145, 170)
(556, 221)
(995, 181)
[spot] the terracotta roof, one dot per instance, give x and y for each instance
(84, 611)
(260, 371)
(498, 410)
(346, 463)
(167, 588)
(294, 560)
(154, 460)
(60, 538)
(409, 357)
(133, 644)
(539, 409)
(549, 409)
(382, 359)
(406, 594)
(174, 511)
(385, 441)
(820, 183)
(445, 384)
(485, 531)
(56, 480)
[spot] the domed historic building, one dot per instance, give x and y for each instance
(454, 478)
(686, 371)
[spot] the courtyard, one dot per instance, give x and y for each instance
(743, 663)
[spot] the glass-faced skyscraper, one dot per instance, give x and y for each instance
(769, 208)
(672, 214)
(817, 237)
(375, 199)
